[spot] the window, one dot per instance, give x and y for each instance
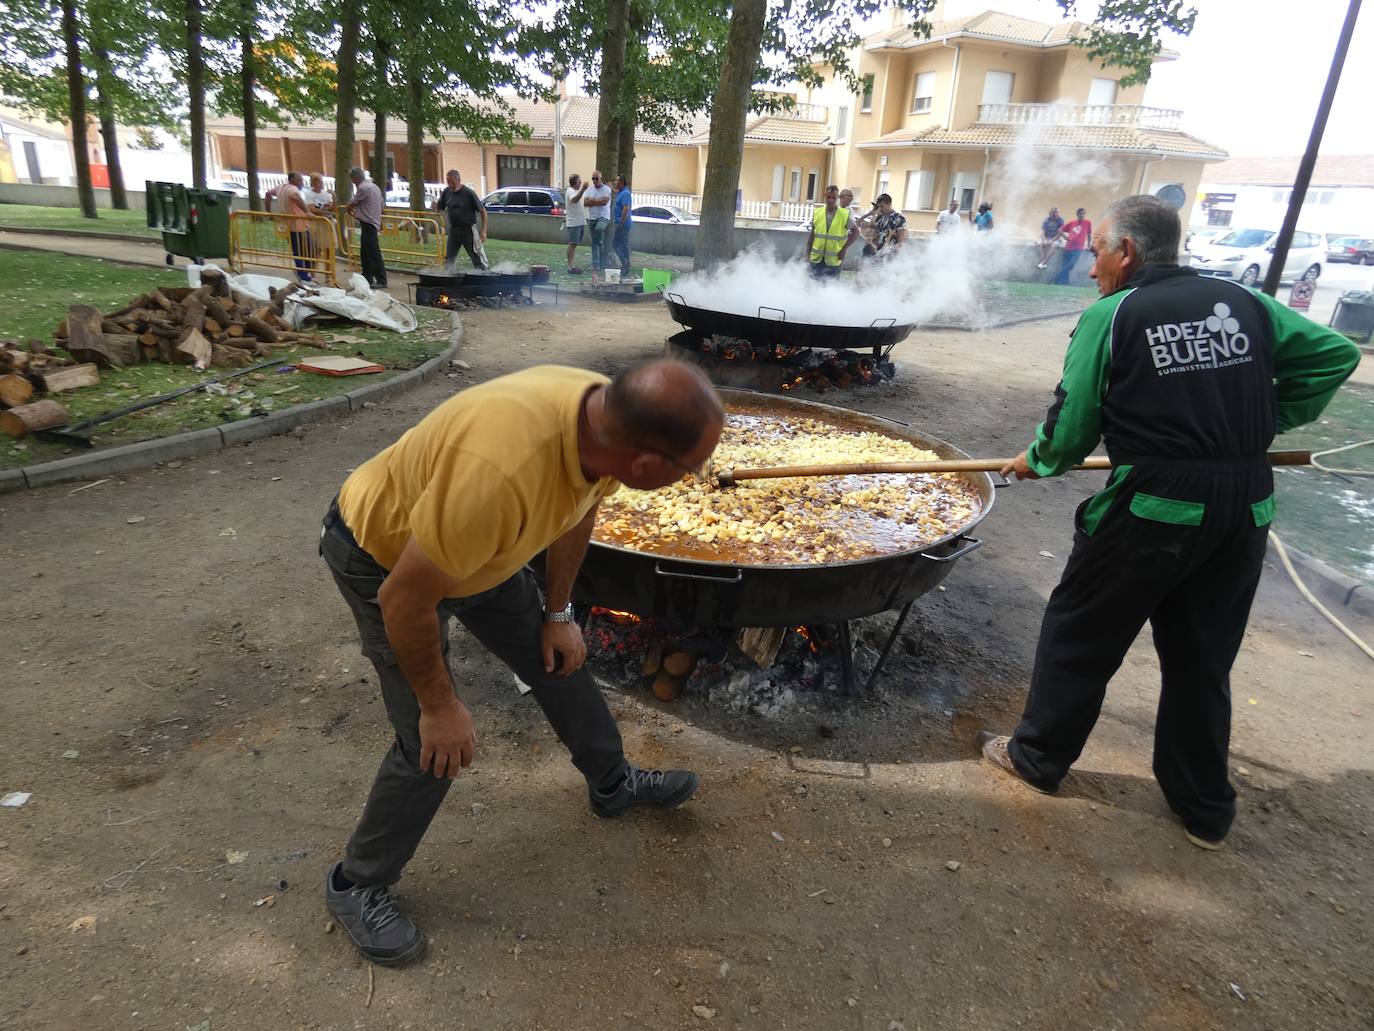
(1280, 197)
(884, 183)
(497, 199)
(517, 198)
(1326, 196)
(963, 187)
(923, 93)
(867, 104)
(920, 191)
(841, 124)
(778, 174)
(794, 185)
(1102, 91)
(813, 181)
(997, 87)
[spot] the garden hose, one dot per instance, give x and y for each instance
(1337, 450)
(1302, 589)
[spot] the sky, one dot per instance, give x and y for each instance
(1249, 77)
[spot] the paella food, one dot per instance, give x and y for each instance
(797, 520)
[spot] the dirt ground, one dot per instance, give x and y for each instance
(205, 670)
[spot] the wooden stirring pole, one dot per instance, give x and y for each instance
(729, 477)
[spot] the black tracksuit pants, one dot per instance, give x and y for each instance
(1194, 584)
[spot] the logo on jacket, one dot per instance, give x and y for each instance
(1211, 343)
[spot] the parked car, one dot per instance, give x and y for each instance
(663, 213)
(1243, 255)
(1203, 234)
(1355, 250)
(228, 186)
(525, 200)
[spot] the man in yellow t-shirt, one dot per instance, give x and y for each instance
(440, 525)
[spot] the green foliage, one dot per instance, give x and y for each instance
(1130, 34)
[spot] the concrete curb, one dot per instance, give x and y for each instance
(1337, 591)
(147, 453)
(130, 262)
(152, 241)
(1005, 322)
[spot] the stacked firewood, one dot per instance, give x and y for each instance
(200, 327)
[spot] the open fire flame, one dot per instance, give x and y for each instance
(816, 369)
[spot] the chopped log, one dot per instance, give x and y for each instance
(277, 322)
(40, 415)
(668, 688)
(161, 300)
(234, 330)
(141, 301)
(177, 293)
(653, 659)
(213, 326)
(761, 643)
(679, 664)
(58, 380)
(89, 344)
(193, 313)
(167, 350)
(216, 281)
(260, 329)
(195, 350)
(14, 360)
(230, 357)
(62, 330)
(148, 339)
(111, 326)
(15, 391)
(216, 311)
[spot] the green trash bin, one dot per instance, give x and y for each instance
(193, 223)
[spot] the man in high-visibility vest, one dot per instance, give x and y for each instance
(832, 231)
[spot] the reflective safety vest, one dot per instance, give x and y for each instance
(828, 237)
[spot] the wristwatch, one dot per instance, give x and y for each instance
(564, 615)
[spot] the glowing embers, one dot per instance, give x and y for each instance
(776, 367)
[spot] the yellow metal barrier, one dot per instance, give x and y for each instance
(295, 243)
(408, 239)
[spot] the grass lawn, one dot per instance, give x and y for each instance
(124, 223)
(36, 288)
(1321, 514)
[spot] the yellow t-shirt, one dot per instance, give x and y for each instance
(484, 482)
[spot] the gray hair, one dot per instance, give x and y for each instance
(453, 171)
(1152, 225)
(357, 174)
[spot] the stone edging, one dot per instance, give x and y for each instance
(1339, 592)
(154, 241)
(199, 442)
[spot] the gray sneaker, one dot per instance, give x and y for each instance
(369, 915)
(662, 789)
(994, 749)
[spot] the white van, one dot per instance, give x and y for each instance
(1243, 255)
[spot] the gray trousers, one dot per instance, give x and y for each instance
(507, 620)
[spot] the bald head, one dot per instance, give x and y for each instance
(665, 406)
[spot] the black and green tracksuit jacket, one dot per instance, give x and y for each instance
(1179, 371)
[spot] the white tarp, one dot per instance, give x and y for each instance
(359, 303)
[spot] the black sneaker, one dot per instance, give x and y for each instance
(663, 789)
(369, 915)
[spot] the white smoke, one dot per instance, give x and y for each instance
(941, 277)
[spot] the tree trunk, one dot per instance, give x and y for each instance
(628, 105)
(119, 198)
(195, 91)
(415, 134)
(347, 101)
(612, 72)
(715, 235)
(381, 59)
(248, 80)
(76, 99)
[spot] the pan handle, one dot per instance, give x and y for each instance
(670, 574)
(763, 308)
(973, 544)
(886, 324)
(674, 296)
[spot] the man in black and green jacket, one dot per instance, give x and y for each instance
(1185, 379)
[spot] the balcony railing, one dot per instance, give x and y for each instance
(1079, 114)
(806, 113)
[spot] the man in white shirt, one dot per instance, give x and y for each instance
(948, 221)
(597, 201)
(575, 218)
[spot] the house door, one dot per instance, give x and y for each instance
(31, 158)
